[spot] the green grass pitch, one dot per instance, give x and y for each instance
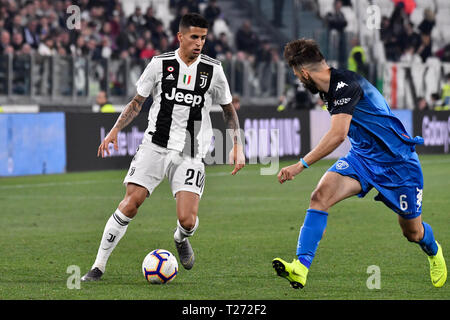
(55, 221)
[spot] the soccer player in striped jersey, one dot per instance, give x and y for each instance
(382, 156)
(184, 85)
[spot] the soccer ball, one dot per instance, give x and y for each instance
(160, 266)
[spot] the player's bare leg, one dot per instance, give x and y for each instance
(115, 229)
(134, 197)
(187, 208)
(415, 230)
(331, 189)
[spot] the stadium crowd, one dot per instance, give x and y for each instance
(40, 26)
(403, 41)
(106, 31)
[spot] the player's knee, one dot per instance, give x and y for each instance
(318, 200)
(188, 219)
(129, 205)
(413, 235)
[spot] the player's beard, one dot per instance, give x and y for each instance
(310, 85)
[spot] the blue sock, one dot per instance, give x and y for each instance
(310, 235)
(428, 244)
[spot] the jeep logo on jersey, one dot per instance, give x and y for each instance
(187, 98)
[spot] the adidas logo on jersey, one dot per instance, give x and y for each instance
(188, 99)
(340, 85)
(170, 77)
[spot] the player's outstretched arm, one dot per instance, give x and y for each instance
(236, 155)
(340, 124)
(130, 112)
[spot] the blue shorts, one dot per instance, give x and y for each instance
(400, 185)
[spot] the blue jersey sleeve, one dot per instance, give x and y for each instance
(345, 97)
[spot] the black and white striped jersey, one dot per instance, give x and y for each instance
(182, 99)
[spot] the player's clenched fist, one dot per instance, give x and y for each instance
(288, 173)
(110, 138)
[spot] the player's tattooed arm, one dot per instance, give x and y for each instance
(232, 122)
(236, 156)
(130, 112)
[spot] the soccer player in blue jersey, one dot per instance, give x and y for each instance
(382, 156)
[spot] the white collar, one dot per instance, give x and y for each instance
(177, 56)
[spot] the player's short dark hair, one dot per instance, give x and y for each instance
(302, 52)
(193, 20)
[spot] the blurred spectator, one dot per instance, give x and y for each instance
(31, 33)
(127, 37)
(297, 97)
(422, 104)
(336, 21)
(148, 51)
(102, 104)
(436, 102)
(17, 41)
(398, 21)
(445, 96)
(357, 59)
(210, 47)
(424, 49)
(175, 24)
(211, 12)
(410, 38)
(192, 5)
(44, 27)
(444, 53)
(408, 6)
(277, 19)
(159, 34)
(5, 41)
(138, 19)
(409, 55)
(46, 47)
(15, 26)
(105, 48)
(428, 22)
(150, 21)
(246, 39)
(223, 46)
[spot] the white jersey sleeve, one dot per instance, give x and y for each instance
(147, 79)
(221, 90)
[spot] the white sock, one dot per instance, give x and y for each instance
(114, 230)
(181, 233)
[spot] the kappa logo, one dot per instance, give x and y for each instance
(340, 85)
(342, 165)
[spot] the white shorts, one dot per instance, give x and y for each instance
(152, 163)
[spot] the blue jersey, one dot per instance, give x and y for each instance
(375, 133)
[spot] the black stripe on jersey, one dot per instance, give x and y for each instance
(209, 59)
(164, 118)
(166, 55)
(202, 84)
